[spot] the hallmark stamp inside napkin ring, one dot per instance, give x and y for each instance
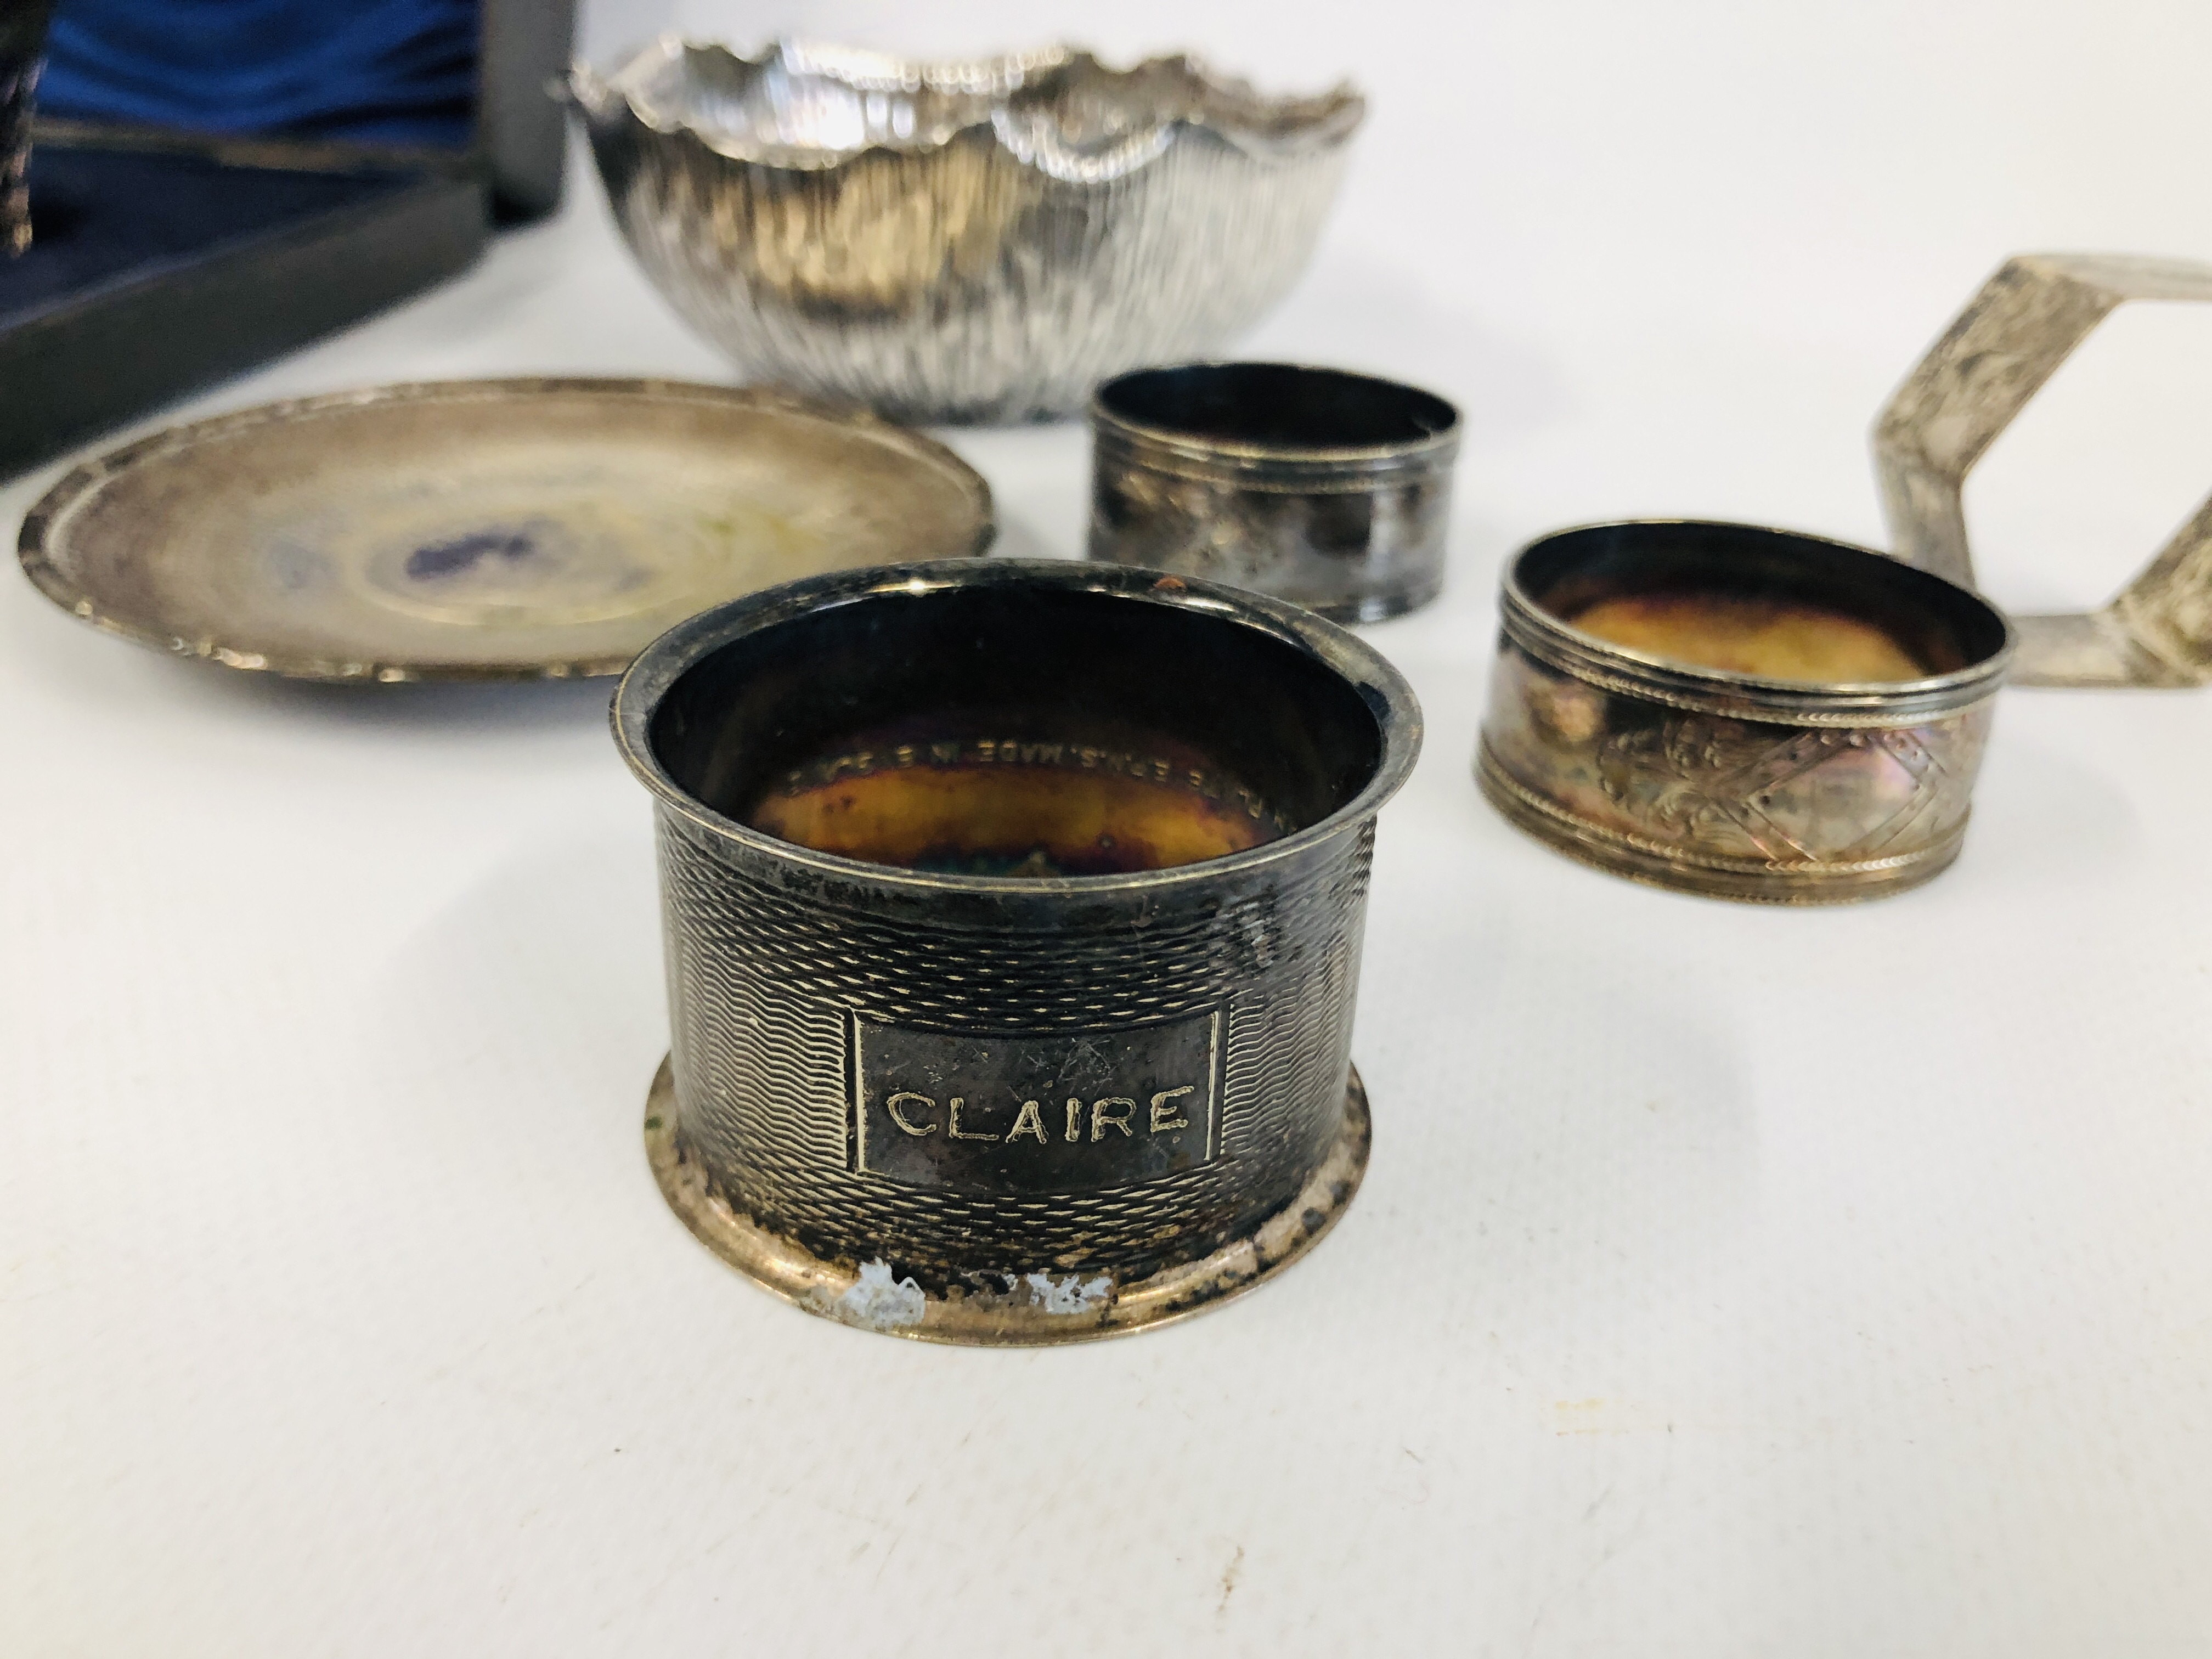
(1013, 914)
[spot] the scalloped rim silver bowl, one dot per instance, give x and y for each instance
(976, 241)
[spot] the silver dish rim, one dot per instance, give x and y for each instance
(1369, 674)
(34, 544)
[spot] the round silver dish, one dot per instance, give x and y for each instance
(1028, 1084)
(522, 529)
(978, 241)
(1730, 784)
(1329, 490)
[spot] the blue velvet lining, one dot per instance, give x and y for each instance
(376, 71)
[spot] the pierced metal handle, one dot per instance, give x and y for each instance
(2011, 337)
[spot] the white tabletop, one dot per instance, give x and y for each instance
(1726, 1281)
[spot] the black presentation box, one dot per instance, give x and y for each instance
(162, 261)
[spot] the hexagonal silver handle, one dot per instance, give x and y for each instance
(2157, 630)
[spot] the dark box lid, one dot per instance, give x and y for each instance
(162, 261)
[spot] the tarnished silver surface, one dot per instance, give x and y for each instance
(1324, 488)
(23, 53)
(1974, 381)
(483, 529)
(1740, 786)
(978, 241)
(1007, 1107)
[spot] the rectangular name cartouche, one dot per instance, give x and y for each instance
(1035, 1112)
